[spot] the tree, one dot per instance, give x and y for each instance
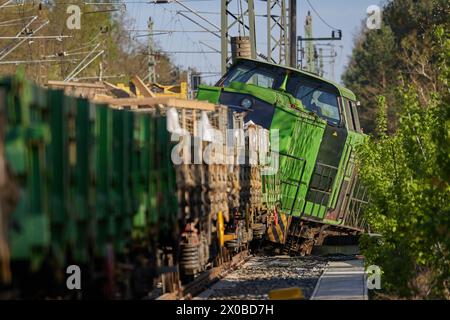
(123, 56)
(408, 174)
(400, 52)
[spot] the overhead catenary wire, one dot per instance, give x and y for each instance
(17, 62)
(85, 66)
(198, 46)
(14, 20)
(8, 51)
(61, 52)
(318, 15)
(197, 14)
(19, 5)
(24, 29)
(209, 46)
(6, 4)
(241, 14)
(35, 37)
(67, 54)
(82, 48)
(80, 66)
(172, 31)
(187, 51)
(198, 24)
(160, 2)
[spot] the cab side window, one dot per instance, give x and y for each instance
(355, 117)
(351, 115)
(348, 114)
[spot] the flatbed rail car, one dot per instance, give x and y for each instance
(318, 129)
(95, 185)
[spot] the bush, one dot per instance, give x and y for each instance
(408, 173)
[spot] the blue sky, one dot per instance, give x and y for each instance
(341, 14)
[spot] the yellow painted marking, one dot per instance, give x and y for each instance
(293, 293)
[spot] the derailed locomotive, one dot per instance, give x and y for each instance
(98, 187)
(319, 128)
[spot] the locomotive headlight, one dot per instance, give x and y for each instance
(246, 103)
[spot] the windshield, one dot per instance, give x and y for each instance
(256, 75)
(321, 102)
(316, 95)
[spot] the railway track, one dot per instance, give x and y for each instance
(207, 278)
(256, 277)
(252, 277)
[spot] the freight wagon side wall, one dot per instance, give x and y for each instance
(90, 177)
(9, 194)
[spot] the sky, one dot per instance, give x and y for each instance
(346, 15)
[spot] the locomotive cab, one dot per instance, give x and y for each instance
(250, 86)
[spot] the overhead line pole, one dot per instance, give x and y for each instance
(293, 33)
(230, 20)
(151, 62)
(277, 32)
(251, 22)
(224, 35)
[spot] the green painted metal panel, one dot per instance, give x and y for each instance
(103, 169)
(81, 150)
(300, 138)
(208, 93)
(25, 147)
(141, 173)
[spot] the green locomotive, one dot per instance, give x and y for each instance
(318, 128)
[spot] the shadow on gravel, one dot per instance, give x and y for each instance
(256, 289)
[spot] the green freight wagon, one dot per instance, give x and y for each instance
(91, 181)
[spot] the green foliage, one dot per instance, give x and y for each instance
(398, 53)
(408, 176)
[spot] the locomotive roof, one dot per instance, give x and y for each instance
(347, 93)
